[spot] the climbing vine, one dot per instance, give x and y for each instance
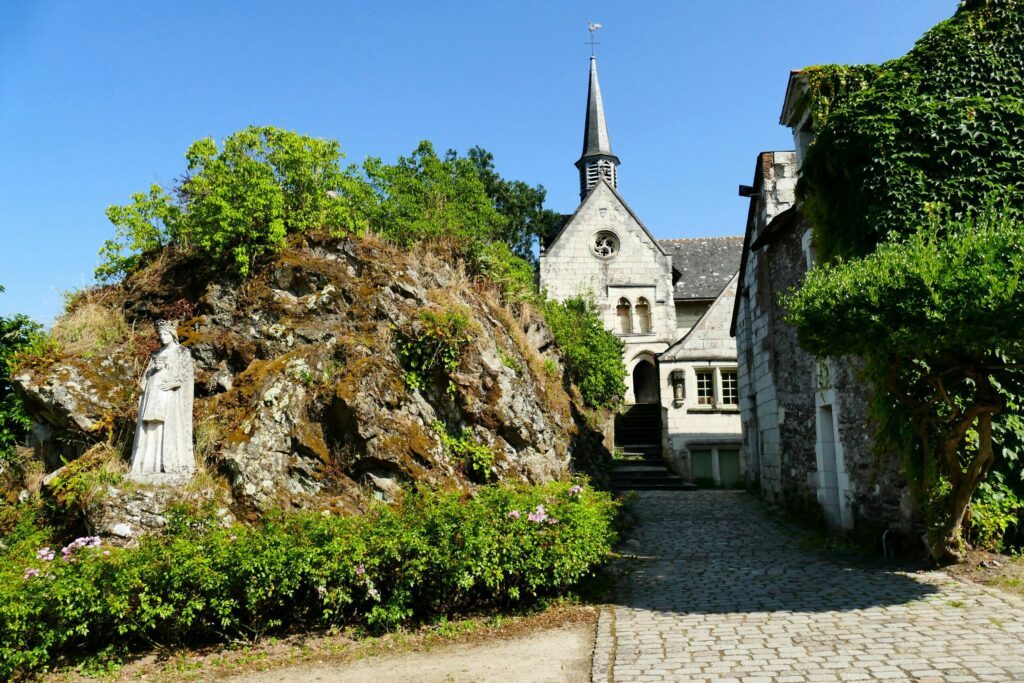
(915, 187)
(942, 125)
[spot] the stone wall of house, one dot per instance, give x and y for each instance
(808, 442)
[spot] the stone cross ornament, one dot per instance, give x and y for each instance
(162, 452)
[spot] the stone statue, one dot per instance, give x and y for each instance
(162, 452)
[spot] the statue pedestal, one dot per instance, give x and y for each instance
(160, 478)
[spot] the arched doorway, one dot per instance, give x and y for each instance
(645, 382)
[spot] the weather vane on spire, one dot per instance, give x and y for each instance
(592, 27)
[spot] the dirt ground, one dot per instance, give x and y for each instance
(549, 656)
(549, 646)
(990, 569)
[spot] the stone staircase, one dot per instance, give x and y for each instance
(639, 465)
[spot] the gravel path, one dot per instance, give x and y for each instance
(718, 591)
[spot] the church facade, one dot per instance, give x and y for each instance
(670, 301)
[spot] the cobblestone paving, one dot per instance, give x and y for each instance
(717, 591)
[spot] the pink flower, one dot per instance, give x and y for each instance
(576, 490)
(360, 570)
(552, 520)
(106, 553)
(81, 542)
(30, 573)
(374, 593)
(539, 515)
(45, 554)
(515, 514)
(232, 538)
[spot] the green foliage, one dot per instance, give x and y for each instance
(513, 275)
(433, 348)
(942, 124)
(950, 286)
(526, 219)
(264, 184)
(148, 223)
(239, 202)
(433, 554)
(424, 196)
(995, 508)
(939, 317)
(592, 355)
(476, 456)
(18, 335)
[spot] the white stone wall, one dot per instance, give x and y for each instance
(639, 269)
(686, 423)
(759, 409)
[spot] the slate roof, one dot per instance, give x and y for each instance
(703, 266)
(595, 133)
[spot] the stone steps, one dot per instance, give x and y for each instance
(646, 475)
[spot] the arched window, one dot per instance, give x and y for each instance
(643, 316)
(624, 316)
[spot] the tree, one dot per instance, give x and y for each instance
(17, 333)
(237, 203)
(522, 206)
(423, 196)
(939, 317)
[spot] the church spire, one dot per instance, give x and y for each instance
(597, 159)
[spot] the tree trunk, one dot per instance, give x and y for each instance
(951, 543)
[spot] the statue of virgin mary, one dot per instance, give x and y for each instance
(162, 451)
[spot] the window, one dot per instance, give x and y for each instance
(705, 387)
(730, 388)
(605, 244)
(643, 315)
(624, 316)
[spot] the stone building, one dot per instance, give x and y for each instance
(668, 300)
(807, 441)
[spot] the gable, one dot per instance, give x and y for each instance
(603, 196)
(710, 337)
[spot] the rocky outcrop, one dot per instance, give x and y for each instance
(301, 397)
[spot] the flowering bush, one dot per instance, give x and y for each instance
(433, 554)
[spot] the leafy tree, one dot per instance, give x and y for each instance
(522, 206)
(144, 225)
(17, 332)
(424, 196)
(940, 319)
(238, 203)
(265, 183)
(592, 354)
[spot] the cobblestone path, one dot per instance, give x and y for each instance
(718, 591)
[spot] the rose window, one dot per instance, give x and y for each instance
(606, 244)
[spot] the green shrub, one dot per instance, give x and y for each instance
(19, 335)
(513, 275)
(433, 348)
(433, 554)
(592, 355)
(994, 509)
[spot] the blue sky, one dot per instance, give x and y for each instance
(99, 99)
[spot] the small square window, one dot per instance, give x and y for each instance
(730, 388)
(705, 388)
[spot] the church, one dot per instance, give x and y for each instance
(670, 302)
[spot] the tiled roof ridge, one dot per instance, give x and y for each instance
(701, 239)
